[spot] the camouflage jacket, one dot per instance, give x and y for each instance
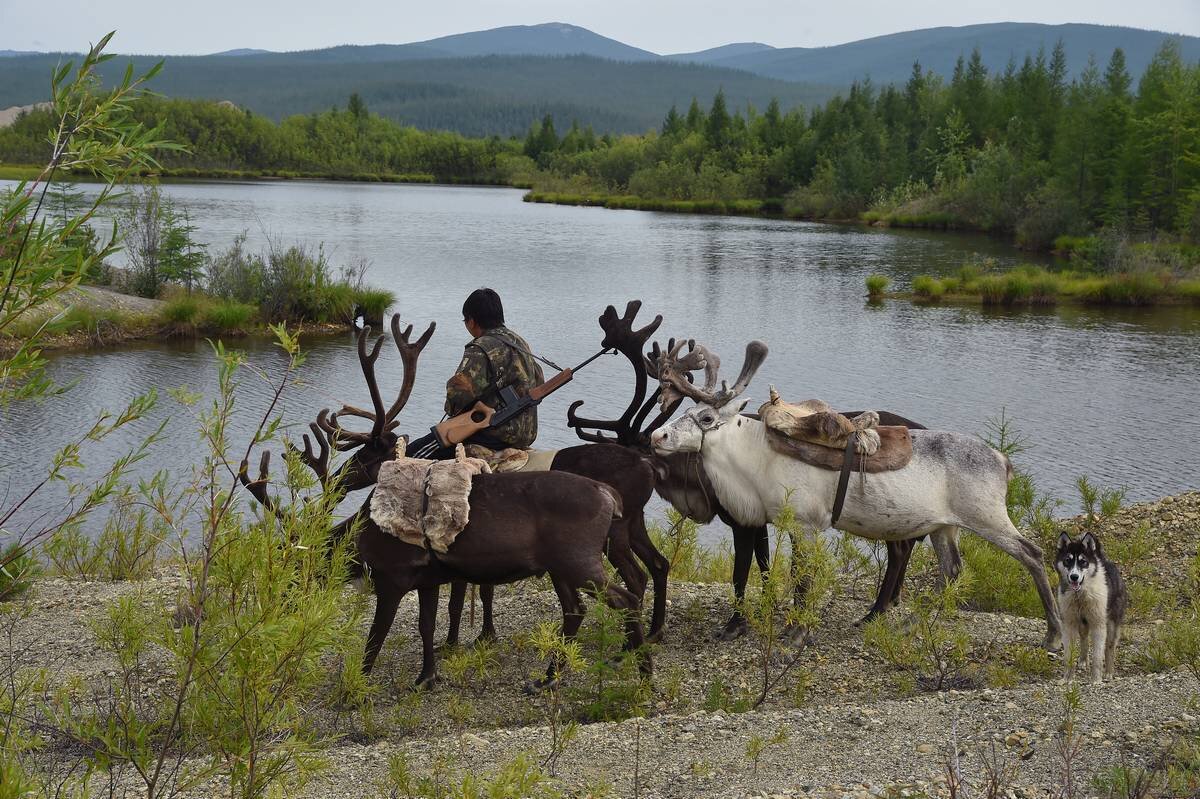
(496, 359)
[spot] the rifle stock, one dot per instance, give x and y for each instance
(458, 429)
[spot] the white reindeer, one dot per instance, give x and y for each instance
(953, 480)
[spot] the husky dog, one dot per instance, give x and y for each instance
(1092, 601)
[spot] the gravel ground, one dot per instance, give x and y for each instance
(852, 727)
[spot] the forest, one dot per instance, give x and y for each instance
(1022, 152)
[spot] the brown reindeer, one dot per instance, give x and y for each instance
(628, 471)
(521, 525)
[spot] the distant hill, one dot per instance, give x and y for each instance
(715, 54)
(551, 38)
(475, 96)
(889, 59)
(499, 81)
(242, 51)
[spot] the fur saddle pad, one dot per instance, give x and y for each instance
(815, 422)
(424, 502)
(514, 460)
(895, 451)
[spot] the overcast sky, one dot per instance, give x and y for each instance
(662, 26)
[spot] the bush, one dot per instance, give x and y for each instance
(876, 285)
(227, 316)
(17, 568)
(182, 310)
(927, 287)
(127, 549)
(374, 303)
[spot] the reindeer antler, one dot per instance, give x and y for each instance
(409, 353)
(258, 486)
(673, 373)
(381, 421)
(620, 335)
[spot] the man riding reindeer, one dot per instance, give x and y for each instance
(495, 358)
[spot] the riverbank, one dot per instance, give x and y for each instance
(92, 317)
(1036, 286)
(842, 724)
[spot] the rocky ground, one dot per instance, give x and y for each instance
(844, 722)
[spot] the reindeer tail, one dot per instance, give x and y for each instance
(618, 508)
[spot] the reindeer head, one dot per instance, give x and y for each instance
(714, 407)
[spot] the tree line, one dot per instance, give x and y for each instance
(1021, 151)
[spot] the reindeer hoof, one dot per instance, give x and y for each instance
(868, 618)
(425, 682)
(1052, 642)
(532, 687)
(656, 636)
(735, 628)
(486, 638)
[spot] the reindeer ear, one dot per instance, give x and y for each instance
(1063, 540)
(741, 406)
(1090, 543)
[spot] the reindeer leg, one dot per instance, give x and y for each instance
(487, 595)
(744, 542)
(797, 634)
(458, 593)
(898, 590)
(944, 541)
(426, 624)
(387, 599)
(572, 608)
(897, 559)
(1000, 531)
(658, 566)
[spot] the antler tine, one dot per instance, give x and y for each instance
(409, 353)
(341, 438)
(674, 378)
(319, 463)
(367, 361)
(756, 353)
(258, 486)
(620, 335)
(701, 357)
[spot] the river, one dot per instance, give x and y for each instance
(1099, 392)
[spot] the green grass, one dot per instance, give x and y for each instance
(928, 288)
(182, 310)
(626, 202)
(227, 316)
(1034, 285)
(19, 172)
(374, 302)
(999, 583)
(876, 285)
(17, 568)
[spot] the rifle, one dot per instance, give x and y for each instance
(480, 416)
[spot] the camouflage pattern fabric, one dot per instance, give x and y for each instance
(496, 359)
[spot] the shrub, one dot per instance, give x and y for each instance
(127, 549)
(876, 285)
(181, 311)
(927, 287)
(17, 568)
(374, 303)
(227, 315)
(934, 649)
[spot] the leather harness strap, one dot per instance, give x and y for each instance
(839, 498)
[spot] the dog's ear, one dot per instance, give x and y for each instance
(1063, 540)
(1091, 544)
